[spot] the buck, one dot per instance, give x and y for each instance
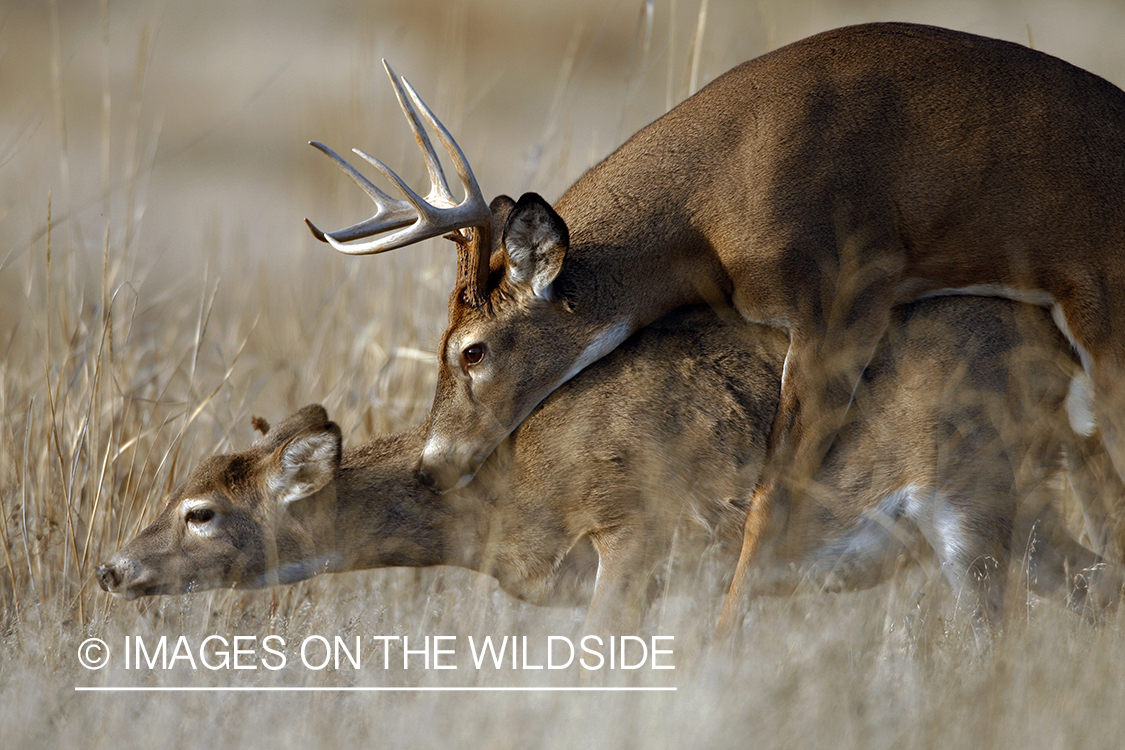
(813, 188)
(581, 502)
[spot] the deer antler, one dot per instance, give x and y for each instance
(417, 218)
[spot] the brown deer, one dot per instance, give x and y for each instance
(813, 188)
(958, 424)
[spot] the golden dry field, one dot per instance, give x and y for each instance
(158, 288)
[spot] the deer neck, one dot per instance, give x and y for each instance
(637, 248)
(386, 518)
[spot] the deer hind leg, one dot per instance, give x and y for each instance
(870, 552)
(973, 544)
(1103, 359)
(818, 555)
(1060, 568)
(1099, 492)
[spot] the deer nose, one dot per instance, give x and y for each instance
(108, 576)
(435, 480)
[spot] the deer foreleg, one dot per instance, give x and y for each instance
(626, 557)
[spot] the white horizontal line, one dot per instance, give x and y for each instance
(382, 689)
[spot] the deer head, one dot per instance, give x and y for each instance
(506, 313)
(259, 517)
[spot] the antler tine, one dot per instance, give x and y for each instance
(473, 255)
(365, 184)
(424, 206)
(460, 163)
(440, 188)
(426, 219)
(415, 218)
(390, 213)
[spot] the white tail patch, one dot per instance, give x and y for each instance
(1080, 405)
(951, 542)
(1080, 395)
(1060, 320)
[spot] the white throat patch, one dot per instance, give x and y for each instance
(603, 344)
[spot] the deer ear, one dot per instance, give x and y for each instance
(305, 464)
(536, 240)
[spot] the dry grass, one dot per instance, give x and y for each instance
(157, 289)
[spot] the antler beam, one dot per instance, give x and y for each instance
(414, 218)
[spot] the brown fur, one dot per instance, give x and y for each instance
(814, 188)
(663, 438)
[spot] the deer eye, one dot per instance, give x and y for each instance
(473, 354)
(199, 515)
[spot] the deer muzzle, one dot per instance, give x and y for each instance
(120, 576)
(443, 468)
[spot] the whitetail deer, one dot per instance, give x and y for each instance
(958, 423)
(813, 188)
